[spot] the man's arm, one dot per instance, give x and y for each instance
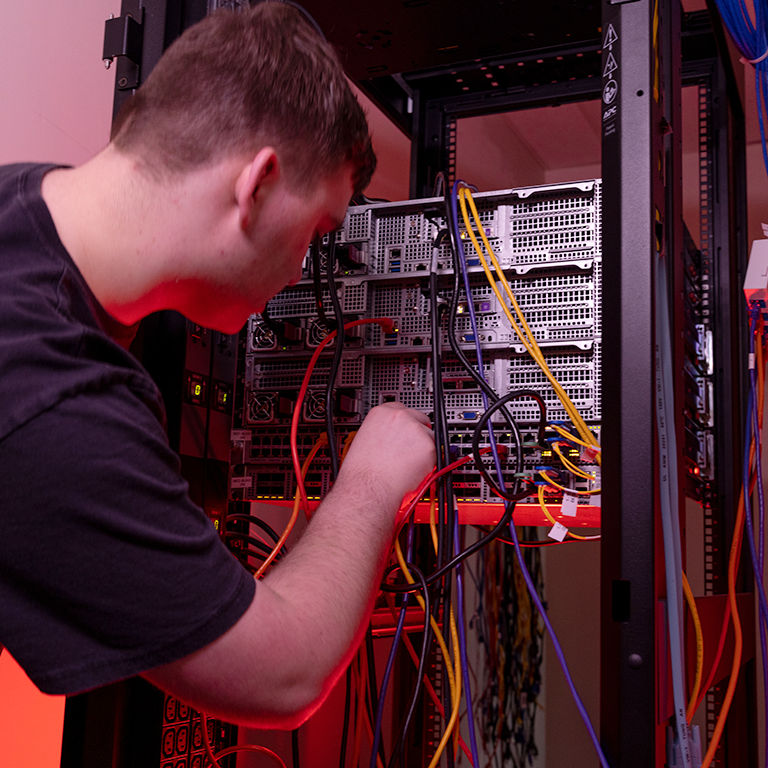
(279, 661)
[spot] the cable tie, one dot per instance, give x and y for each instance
(757, 60)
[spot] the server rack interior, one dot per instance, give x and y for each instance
(372, 364)
(547, 240)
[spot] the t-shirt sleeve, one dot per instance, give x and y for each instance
(107, 567)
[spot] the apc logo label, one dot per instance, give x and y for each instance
(610, 90)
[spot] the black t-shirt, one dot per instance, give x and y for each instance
(107, 568)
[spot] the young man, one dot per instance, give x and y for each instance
(244, 144)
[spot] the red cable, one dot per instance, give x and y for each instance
(386, 325)
(429, 479)
(739, 533)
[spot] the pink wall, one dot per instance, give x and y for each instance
(56, 105)
(56, 94)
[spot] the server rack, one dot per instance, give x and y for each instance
(645, 52)
(637, 71)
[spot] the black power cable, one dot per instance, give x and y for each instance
(399, 747)
(251, 540)
(442, 444)
(480, 427)
(498, 404)
(256, 521)
(317, 282)
(330, 267)
(295, 747)
(347, 707)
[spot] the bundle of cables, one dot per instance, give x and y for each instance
(440, 594)
(752, 478)
(461, 194)
(751, 38)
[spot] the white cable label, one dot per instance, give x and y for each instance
(557, 532)
(240, 435)
(569, 505)
(751, 361)
(242, 482)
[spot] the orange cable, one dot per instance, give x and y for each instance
(732, 571)
(321, 441)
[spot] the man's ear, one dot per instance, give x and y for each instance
(254, 181)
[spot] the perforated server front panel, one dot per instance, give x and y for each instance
(547, 242)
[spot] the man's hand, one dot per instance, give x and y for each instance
(393, 452)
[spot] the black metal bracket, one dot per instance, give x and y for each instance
(124, 41)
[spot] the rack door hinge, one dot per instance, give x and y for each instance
(124, 40)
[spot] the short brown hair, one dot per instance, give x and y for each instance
(238, 81)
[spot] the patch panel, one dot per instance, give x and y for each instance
(268, 465)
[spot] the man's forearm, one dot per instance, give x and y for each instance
(309, 613)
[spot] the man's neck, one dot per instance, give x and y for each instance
(131, 237)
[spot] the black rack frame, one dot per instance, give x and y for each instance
(656, 51)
